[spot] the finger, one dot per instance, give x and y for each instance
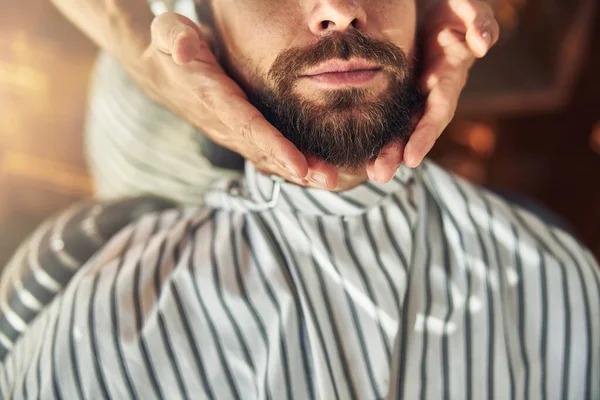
(385, 166)
(255, 131)
(448, 71)
(177, 36)
(321, 173)
(275, 169)
(451, 14)
(482, 35)
(241, 127)
(439, 111)
(420, 144)
(464, 16)
(450, 56)
(482, 29)
(185, 47)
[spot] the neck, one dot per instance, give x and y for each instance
(267, 192)
(349, 180)
(346, 180)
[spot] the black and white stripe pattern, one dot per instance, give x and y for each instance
(46, 262)
(425, 288)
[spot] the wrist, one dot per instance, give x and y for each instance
(129, 31)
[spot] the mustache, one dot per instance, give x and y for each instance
(290, 63)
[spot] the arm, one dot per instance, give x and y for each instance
(171, 60)
(121, 27)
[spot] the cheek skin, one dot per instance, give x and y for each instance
(400, 26)
(244, 59)
(393, 21)
(250, 55)
(256, 33)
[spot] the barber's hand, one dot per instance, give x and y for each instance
(453, 34)
(185, 76)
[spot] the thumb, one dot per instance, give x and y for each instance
(177, 36)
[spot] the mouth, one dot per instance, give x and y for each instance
(343, 73)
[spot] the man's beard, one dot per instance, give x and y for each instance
(349, 127)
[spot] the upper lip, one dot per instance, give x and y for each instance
(334, 66)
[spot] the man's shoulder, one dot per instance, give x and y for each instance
(509, 219)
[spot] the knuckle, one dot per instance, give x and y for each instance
(172, 35)
(245, 131)
(263, 161)
(267, 150)
(447, 80)
(445, 111)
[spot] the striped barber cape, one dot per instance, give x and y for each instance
(424, 288)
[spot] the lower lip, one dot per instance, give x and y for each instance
(344, 78)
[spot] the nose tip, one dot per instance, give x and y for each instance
(337, 16)
(331, 26)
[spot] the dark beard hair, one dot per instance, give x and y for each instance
(345, 128)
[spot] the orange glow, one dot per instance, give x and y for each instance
(595, 139)
(478, 137)
(482, 140)
(57, 175)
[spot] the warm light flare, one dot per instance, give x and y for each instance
(595, 139)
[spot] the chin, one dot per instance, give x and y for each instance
(347, 127)
(360, 116)
(341, 98)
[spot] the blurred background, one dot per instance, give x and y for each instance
(528, 122)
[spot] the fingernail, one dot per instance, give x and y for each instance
(487, 38)
(383, 180)
(484, 31)
(318, 179)
(414, 164)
